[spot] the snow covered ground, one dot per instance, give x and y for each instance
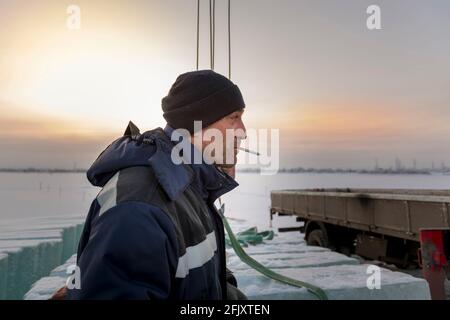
(340, 276)
(31, 248)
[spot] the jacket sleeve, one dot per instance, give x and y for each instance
(132, 253)
(233, 293)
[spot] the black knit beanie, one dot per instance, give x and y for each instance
(200, 96)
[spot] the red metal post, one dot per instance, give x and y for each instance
(434, 256)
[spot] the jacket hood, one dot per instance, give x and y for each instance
(153, 148)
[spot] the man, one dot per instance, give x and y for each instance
(153, 231)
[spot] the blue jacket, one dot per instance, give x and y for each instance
(153, 231)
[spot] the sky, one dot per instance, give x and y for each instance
(340, 95)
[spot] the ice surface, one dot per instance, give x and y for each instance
(30, 234)
(31, 248)
(293, 260)
(3, 274)
(277, 248)
(340, 276)
(46, 287)
(340, 282)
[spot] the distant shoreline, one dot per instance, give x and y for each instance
(35, 170)
(352, 171)
(257, 171)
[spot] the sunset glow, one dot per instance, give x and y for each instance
(340, 94)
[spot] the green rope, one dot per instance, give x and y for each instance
(251, 236)
(318, 292)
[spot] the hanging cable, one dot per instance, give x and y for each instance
(214, 33)
(210, 35)
(198, 31)
(229, 39)
(212, 30)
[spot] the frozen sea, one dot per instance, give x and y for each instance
(28, 195)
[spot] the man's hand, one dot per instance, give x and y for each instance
(60, 294)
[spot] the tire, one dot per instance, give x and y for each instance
(317, 238)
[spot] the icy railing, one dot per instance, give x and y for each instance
(30, 249)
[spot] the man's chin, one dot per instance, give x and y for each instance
(226, 165)
(228, 169)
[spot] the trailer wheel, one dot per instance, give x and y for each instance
(317, 238)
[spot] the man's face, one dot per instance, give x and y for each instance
(232, 131)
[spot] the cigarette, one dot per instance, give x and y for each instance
(249, 151)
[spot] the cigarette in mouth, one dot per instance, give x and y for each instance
(249, 151)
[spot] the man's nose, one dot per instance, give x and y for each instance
(241, 130)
